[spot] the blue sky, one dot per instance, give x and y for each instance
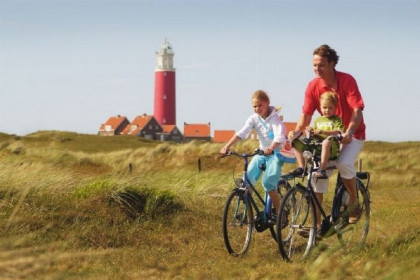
(70, 65)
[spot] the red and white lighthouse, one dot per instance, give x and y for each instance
(165, 110)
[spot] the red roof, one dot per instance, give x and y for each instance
(196, 130)
(223, 135)
(138, 124)
(113, 123)
(167, 128)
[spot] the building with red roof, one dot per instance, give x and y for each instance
(145, 126)
(170, 133)
(113, 126)
(197, 132)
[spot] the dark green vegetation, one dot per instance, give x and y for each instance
(88, 207)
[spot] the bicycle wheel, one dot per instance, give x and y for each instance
(296, 224)
(354, 235)
(237, 223)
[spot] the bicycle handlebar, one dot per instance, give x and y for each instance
(233, 153)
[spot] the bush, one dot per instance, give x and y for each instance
(147, 202)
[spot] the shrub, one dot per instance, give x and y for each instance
(147, 202)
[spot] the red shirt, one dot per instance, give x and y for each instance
(349, 97)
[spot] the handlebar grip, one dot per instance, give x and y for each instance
(259, 152)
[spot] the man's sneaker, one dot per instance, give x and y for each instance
(355, 212)
(297, 172)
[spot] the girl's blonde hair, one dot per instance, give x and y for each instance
(261, 95)
(330, 97)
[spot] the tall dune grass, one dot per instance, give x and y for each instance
(88, 207)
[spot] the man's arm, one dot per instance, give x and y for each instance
(301, 125)
(355, 119)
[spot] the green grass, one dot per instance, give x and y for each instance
(77, 206)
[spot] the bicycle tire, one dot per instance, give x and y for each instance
(296, 224)
(355, 235)
(237, 223)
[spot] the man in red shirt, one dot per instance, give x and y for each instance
(350, 107)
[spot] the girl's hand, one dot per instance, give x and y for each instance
(268, 151)
(224, 150)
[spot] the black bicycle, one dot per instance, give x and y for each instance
(238, 216)
(299, 205)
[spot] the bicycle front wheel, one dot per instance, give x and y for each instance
(237, 223)
(296, 224)
(354, 235)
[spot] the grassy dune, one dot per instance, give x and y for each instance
(88, 207)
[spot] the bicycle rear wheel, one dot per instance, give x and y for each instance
(237, 223)
(354, 235)
(296, 224)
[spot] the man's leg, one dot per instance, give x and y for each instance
(345, 165)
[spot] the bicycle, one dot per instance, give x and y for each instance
(300, 235)
(238, 216)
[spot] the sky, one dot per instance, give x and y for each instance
(69, 65)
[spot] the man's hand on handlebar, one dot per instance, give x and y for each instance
(347, 138)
